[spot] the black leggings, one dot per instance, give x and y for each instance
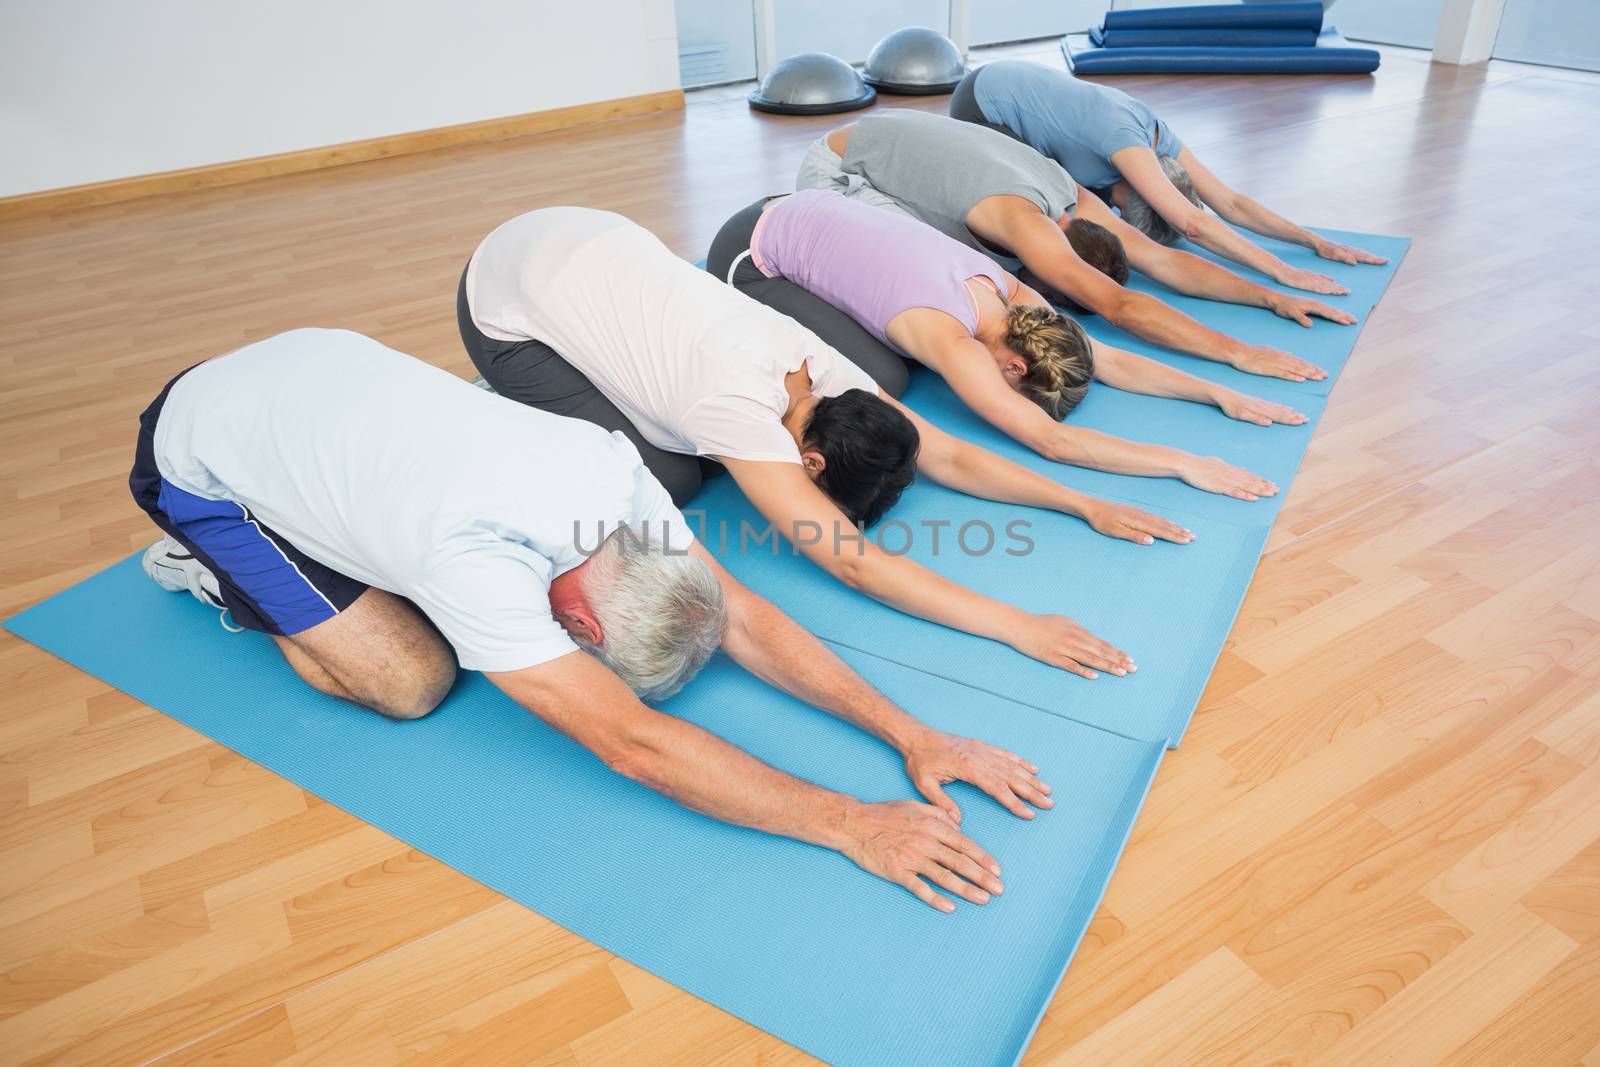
(533, 373)
(836, 329)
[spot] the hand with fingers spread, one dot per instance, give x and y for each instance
(1300, 309)
(1247, 408)
(1276, 363)
(935, 759)
(1061, 642)
(1216, 475)
(1345, 253)
(905, 842)
(1311, 282)
(1131, 524)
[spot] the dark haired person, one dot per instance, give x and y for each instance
(563, 303)
(997, 195)
(1116, 146)
(877, 284)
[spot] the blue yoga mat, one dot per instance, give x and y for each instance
(1223, 37)
(1331, 54)
(789, 937)
(1271, 451)
(1326, 344)
(1288, 15)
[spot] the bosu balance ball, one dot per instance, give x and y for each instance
(915, 62)
(812, 83)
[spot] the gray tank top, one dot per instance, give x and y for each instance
(939, 168)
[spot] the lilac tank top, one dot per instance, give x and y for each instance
(869, 262)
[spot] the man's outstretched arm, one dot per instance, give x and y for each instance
(1241, 210)
(1197, 276)
(780, 651)
(1142, 169)
(901, 841)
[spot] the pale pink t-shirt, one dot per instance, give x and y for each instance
(697, 366)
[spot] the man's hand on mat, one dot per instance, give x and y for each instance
(1276, 363)
(1300, 309)
(1311, 282)
(904, 842)
(1131, 524)
(1345, 253)
(935, 759)
(1254, 409)
(1060, 642)
(1216, 475)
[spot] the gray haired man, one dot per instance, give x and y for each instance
(382, 520)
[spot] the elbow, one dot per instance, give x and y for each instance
(1060, 447)
(631, 759)
(1123, 308)
(852, 572)
(1050, 441)
(1196, 225)
(627, 750)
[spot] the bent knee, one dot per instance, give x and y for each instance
(414, 698)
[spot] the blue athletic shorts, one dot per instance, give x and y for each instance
(267, 584)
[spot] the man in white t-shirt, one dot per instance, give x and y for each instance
(586, 313)
(382, 519)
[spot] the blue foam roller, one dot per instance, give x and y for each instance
(1332, 54)
(787, 936)
(1291, 15)
(1203, 37)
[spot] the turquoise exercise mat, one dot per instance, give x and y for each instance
(789, 937)
(1273, 452)
(1169, 606)
(1326, 344)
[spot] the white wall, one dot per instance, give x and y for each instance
(850, 28)
(98, 89)
(1016, 20)
(728, 25)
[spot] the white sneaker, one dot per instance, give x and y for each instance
(174, 568)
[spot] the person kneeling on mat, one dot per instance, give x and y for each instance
(999, 196)
(874, 284)
(1116, 146)
(584, 312)
(380, 519)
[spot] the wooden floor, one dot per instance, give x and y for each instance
(1380, 842)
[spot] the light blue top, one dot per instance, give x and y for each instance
(1076, 123)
